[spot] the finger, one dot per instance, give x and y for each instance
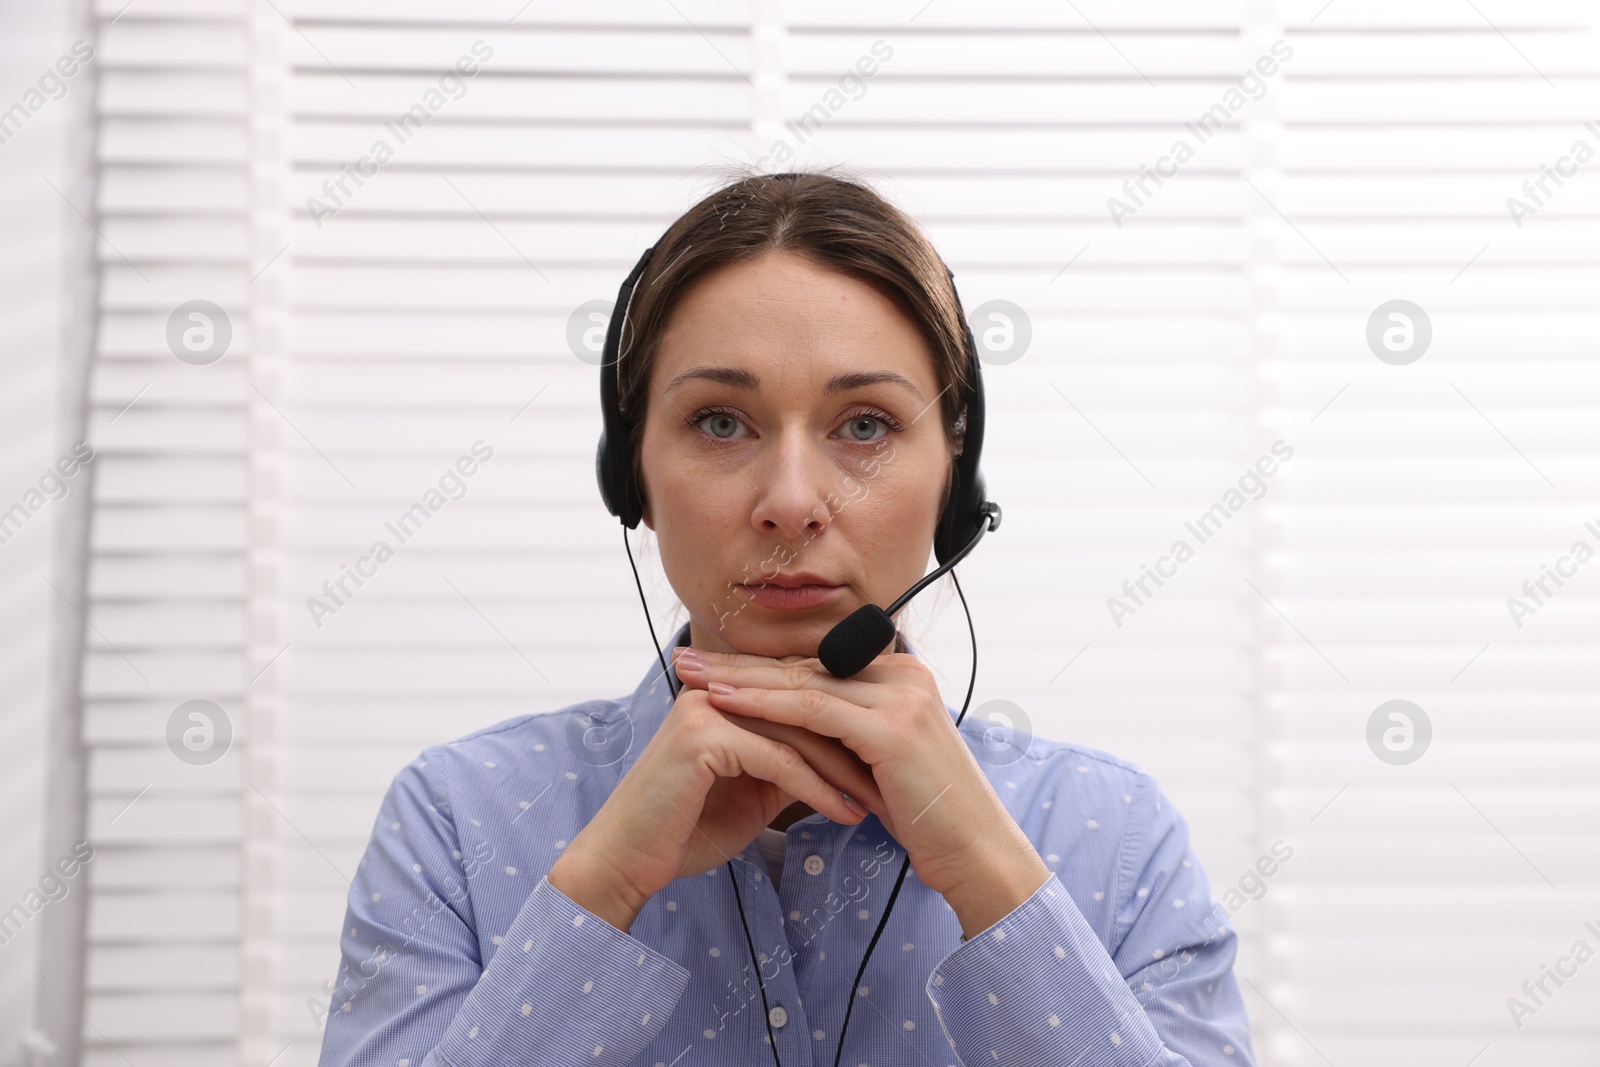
(745, 659)
(784, 766)
(810, 709)
(838, 766)
(856, 690)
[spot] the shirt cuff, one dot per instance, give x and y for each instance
(564, 987)
(1039, 986)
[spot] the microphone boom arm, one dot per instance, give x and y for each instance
(991, 521)
(862, 636)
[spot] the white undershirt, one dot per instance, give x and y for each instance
(772, 844)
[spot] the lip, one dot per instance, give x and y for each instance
(793, 580)
(792, 592)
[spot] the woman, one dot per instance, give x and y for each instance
(577, 886)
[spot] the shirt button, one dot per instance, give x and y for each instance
(777, 1016)
(814, 864)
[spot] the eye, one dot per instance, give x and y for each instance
(719, 424)
(723, 419)
(865, 420)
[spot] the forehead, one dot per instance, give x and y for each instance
(792, 321)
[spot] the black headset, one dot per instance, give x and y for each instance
(967, 514)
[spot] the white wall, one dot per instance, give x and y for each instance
(36, 290)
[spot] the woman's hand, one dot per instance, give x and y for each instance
(935, 800)
(699, 793)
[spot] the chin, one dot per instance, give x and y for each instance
(776, 638)
(783, 638)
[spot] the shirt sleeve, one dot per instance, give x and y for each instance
(563, 986)
(1040, 986)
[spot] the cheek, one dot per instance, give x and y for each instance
(689, 510)
(887, 516)
(675, 467)
(691, 501)
(907, 490)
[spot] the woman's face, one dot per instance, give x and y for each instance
(793, 428)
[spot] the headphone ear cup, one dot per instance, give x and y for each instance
(602, 474)
(963, 514)
(612, 464)
(632, 502)
(617, 486)
(947, 538)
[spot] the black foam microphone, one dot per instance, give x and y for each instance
(863, 634)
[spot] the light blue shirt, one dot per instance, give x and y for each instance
(458, 952)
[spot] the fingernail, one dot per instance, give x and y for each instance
(691, 659)
(720, 687)
(855, 807)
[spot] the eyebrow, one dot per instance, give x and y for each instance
(743, 379)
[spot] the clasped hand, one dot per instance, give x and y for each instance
(935, 800)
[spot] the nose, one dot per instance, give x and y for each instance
(795, 479)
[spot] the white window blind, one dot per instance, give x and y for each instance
(383, 327)
(172, 539)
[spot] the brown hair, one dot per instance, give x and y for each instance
(838, 222)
